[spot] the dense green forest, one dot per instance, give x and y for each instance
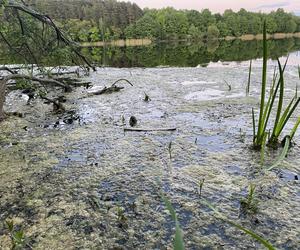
(102, 20)
(91, 20)
(169, 23)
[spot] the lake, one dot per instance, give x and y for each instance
(190, 54)
(175, 54)
(80, 180)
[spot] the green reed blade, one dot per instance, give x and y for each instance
(255, 236)
(262, 150)
(263, 84)
(253, 125)
(286, 117)
(283, 154)
(280, 101)
(270, 103)
(249, 78)
(292, 134)
(273, 95)
(178, 240)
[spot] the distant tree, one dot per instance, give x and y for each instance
(194, 33)
(212, 32)
(146, 27)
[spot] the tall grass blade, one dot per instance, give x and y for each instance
(249, 79)
(169, 207)
(254, 126)
(283, 154)
(255, 236)
(292, 134)
(286, 116)
(273, 95)
(280, 101)
(263, 85)
(269, 105)
(178, 240)
(263, 149)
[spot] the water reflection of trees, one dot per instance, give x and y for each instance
(181, 54)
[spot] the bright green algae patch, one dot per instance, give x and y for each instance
(88, 185)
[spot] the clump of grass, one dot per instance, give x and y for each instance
(17, 236)
(250, 203)
(23, 84)
(178, 240)
(282, 116)
(122, 219)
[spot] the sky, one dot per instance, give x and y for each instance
(220, 5)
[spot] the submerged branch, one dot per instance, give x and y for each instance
(149, 129)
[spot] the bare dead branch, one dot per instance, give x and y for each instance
(149, 129)
(122, 80)
(47, 20)
(36, 79)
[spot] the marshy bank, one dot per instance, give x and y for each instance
(87, 184)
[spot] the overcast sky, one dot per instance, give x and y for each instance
(221, 5)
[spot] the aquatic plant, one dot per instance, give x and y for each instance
(252, 234)
(178, 240)
(146, 97)
(250, 203)
(170, 150)
(228, 85)
(282, 118)
(17, 236)
(292, 134)
(283, 153)
(200, 186)
(249, 79)
(260, 136)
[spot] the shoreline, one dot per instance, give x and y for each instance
(146, 41)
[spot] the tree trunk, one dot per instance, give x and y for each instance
(2, 98)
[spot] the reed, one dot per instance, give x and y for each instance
(266, 108)
(178, 240)
(283, 154)
(259, 136)
(249, 79)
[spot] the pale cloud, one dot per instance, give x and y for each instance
(273, 5)
(221, 5)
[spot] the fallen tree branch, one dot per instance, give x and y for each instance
(10, 70)
(113, 88)
(107, 90)
(36, 79)
(120, 81)
(149, 129)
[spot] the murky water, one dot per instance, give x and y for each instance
(86, 184)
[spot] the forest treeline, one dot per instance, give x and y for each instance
(99, 20)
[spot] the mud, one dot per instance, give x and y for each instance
(86, 184)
